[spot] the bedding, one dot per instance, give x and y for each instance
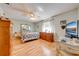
(29, 36)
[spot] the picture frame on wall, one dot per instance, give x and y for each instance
(63, 24)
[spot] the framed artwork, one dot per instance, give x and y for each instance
(25, 27)
(63, 24)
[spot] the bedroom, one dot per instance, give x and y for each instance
(34, 29)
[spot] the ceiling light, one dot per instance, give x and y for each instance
(31, 15)
(32, 18)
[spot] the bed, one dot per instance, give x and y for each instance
(26, 36)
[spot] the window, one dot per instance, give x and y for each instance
(46, 27)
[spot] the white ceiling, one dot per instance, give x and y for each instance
(19, 11)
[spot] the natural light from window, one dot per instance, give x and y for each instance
(47, 27)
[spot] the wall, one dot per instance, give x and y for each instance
(1, 11)
(55, 22)
(65, 16)
(17, 23)
(38, 25)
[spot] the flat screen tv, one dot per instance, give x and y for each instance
(71, 29)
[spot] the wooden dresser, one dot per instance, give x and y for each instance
(4, 37)
(47, 36)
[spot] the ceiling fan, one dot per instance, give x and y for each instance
(25, 11)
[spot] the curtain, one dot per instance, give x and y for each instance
(47, 27)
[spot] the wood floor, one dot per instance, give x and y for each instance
(37, 47)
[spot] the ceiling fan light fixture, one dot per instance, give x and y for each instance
(32, 18)
(31, 15)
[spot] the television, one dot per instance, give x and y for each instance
(71, 29)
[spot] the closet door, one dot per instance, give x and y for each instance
(4, 38)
